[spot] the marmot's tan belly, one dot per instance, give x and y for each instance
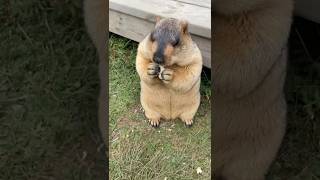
(170, 104)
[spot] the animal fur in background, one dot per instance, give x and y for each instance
(96, 22)
(249, 68)
(169, 64)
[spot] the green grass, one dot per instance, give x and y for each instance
(138, 151)
(48, 91)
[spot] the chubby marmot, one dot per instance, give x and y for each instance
(169, 64)
(249, 68)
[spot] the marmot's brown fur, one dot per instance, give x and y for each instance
(249, 68)
(169, 64)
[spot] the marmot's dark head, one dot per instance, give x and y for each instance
(169, 38)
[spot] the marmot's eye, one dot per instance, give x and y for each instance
(175, 43)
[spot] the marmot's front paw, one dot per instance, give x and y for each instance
(153, 69)
(166, 75)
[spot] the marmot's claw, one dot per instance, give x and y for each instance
(188, 123)
(154, 123)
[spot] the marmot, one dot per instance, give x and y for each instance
(249, 68)
(169, 65)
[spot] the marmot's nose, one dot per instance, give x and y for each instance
(158, 60)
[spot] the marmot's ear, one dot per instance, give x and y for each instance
(158, 19)
(184, 26)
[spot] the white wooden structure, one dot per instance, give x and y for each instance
(134, 19)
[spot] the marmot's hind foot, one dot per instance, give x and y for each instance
(188, 123)
(154, 122)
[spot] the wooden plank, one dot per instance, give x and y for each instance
(202, 3)
(199, 18)
(129, 26)
(136, 29)
(205, 48)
